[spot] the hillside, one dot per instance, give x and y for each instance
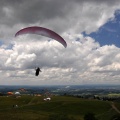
(34, 108)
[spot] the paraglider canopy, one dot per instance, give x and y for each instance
(10, 93)
(17, 93)
(42, 31)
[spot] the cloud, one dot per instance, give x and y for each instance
(61, 16)
(82, 62)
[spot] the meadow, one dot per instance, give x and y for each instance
(35, 108)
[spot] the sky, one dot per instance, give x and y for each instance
(89, 27)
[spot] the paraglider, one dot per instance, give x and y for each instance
(37, 71)
(42, 31)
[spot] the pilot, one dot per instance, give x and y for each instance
(37, 71)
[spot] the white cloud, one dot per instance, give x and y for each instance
(82, 62)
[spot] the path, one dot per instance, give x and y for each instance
(115, 108)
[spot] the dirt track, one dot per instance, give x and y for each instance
(115, 108)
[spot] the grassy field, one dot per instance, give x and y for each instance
(34, 108)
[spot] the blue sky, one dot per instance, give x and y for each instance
(109, 33)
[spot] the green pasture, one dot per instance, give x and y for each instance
(34, 108)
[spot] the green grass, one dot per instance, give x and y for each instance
(34, 108)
